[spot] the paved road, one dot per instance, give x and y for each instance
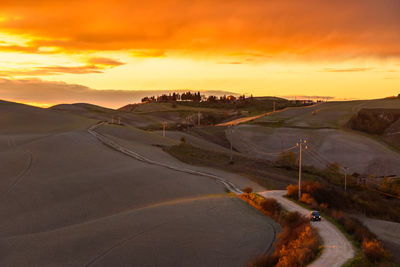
(337, 249)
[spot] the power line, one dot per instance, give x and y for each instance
(327, 164)
(319, 155)
(277, 153)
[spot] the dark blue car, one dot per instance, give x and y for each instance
(315, 216)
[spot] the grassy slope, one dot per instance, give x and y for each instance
(331, 114)
(258, 170)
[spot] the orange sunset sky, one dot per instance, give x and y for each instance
(77, 51)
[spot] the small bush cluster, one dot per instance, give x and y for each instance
(298, 251)
(268, 206)
(373, 250)
(390, 187)
(297, 244)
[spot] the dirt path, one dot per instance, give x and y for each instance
(337, 249)
(243, 120)
(229, 185)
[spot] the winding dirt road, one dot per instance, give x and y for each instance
(337, 249)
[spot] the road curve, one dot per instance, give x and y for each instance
(337, 249)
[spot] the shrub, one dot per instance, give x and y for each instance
(323, 206)
(350, 225)
(308, 199)
(311, 187)
(373, 249)
(297, 244)
(294, 219)
(292, 190)
(300, 251)
(183, 140)
(338, 216)
(247, 190)
(272, 206)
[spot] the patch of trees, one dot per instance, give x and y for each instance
(193, 97)
(188, 96)
(374, 121)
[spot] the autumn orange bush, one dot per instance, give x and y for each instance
(297, 244)
(300, 251)
(307, 187)
(268, 206)
(373, 249)
(272, 206)
(292, 190)
(308, 199)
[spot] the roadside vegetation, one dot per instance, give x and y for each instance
(359, 198)
(318, 197)
(297, 245)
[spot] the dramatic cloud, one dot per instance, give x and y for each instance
(18, 48)
(310, 28)
(266, 47)
(96, 65)
(51, 93)
(149, 53)
(347, 69)
(105, 62)
(311, 97)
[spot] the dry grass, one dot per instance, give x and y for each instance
(261, 171)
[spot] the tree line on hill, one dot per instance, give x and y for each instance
(194, 97)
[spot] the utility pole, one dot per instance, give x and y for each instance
(274, 106)
(300, 145)
(345, 178)
(164, 124)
